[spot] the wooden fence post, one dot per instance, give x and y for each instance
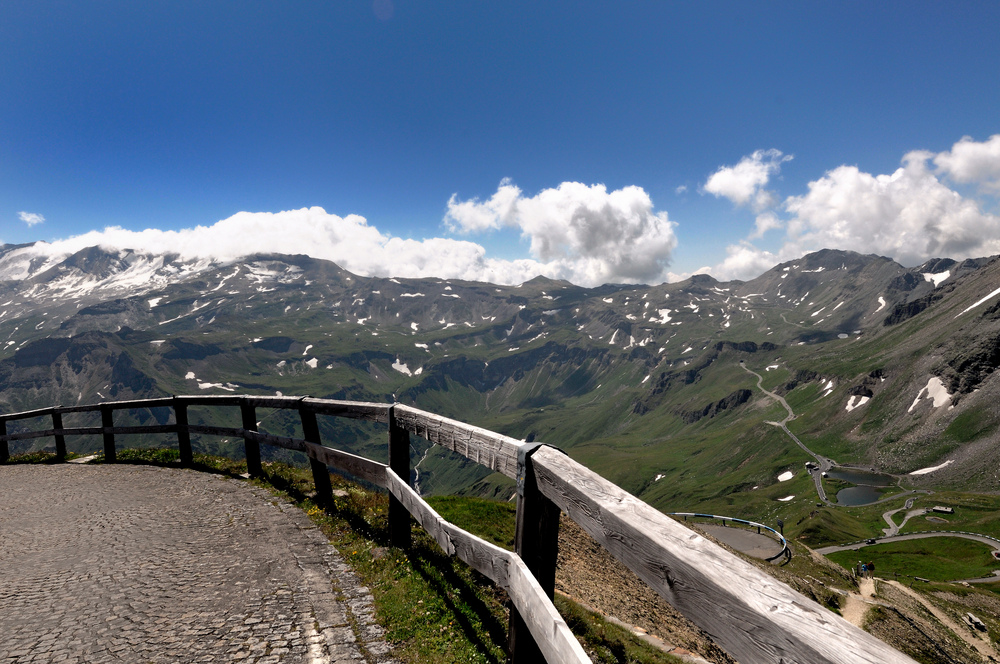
(107, 421)
(183, 433)
(321, 474)
(536, 541)
(60, 439)
(4, 448)
(399, 463)
(251, 447)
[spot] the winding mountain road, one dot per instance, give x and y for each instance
(990, 541)
(824, 463)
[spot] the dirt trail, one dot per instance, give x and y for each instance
(982, 645)
(855, 609)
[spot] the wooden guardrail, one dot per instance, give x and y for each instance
(751, 615)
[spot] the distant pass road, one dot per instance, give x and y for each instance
(143, 564)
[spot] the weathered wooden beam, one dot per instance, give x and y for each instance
(211, 399)
(754, 617)
(57, 424)
(27, 414)
(536, 542)
(320, 471)
(358, 410)
(45, 433)
(555, 640)
(4, 447)
(250, 445)
(183, 432)
(399, 463)
(296, 444)
(360, 467)
(130, 404)
(425, 515)
(107, 425)
(485, 447)
(213, 430)
(557, 643)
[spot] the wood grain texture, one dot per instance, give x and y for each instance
(4, 447)
(425, 515)
(485, 447)
(754, 617)
(551, 633)
(360, 467)
(536, 542)
(555, 639)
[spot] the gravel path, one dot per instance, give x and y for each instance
(143, 564)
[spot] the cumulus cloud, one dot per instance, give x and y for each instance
(971, 162)
(348, 241)
(767, 221)
(910, 215)
(744, 183)
(582, 233)
(587, 243)
(30, 218)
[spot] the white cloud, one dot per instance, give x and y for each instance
(581, 233)
(348, 241)
(909, 215)
(744, 183)
(969, 162)
(743, 261)
(619, 240)
(766, 221)
(681, 189)
(30, 218)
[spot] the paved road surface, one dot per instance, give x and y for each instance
(142, 564)
(898, 538)
(744, 540)
(824, 463)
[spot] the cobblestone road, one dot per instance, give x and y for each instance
(142, 564)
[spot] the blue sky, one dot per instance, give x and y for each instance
(172, 115)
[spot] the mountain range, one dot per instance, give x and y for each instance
(885, 367)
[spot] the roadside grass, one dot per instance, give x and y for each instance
(936, 558)
(435, 609)
(37, 457)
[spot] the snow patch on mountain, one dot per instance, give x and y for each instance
(935, 391)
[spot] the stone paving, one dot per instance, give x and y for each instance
(144, 564)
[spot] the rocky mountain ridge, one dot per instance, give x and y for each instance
(620, 361)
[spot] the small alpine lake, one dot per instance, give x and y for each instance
(866, 489)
